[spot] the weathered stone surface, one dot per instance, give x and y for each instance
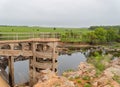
(106, 78)
(48, 78)
(105, 82)
(115, 61)
(87, 69)
(114, 70)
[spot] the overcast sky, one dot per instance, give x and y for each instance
(62, 13)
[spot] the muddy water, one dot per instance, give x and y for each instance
(65, 62)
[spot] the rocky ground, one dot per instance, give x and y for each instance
(85, 76)
(50, 79)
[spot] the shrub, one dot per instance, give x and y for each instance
(100, 66)
(96, 54)
(77, 77)
(78, 81)
(87, 85)
(116, 78)
(86, 78)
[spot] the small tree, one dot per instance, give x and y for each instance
(54, 28)
(101, 35)
(111, 35)
(91, 37)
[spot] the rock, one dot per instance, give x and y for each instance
(72, 75)
(115, 84)
(107, 86)
(48, 78)
(110, 72)
(106, 78)
(115, 61)
(45, 75)
(105, 82)
(87, 69)
(95, 84)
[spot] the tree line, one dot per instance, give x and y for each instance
(105, 27)
(100, 35)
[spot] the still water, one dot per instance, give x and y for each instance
(65, 62)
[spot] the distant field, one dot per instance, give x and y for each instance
(39, 29)
(11, 32)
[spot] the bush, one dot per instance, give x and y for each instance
(87, 85)
(98, 72)
(96, 54)
(116, 78)
(100, 66)
(78, 81)
(86, 78)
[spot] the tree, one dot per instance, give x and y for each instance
(111, 35)
(54, 28)
(118, 31)
(92, 37)
(101, 35)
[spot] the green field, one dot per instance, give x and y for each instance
(66, 34)
(39, 29)
(84, 35)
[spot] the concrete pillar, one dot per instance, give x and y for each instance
(11, 70)
(54, 56)
(12, 46)
(32, 62)
(31, 72)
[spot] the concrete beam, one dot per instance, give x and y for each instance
(15, 53)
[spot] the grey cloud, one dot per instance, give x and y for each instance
(71, 13)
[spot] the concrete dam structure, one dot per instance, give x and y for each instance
(41, 52)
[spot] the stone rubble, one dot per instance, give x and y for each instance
(48, 78)
(107, 78)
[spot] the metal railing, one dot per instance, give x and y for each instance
(27, 35)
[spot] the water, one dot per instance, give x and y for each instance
(68, 62)
(65, 62)
(21, 71)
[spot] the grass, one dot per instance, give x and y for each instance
(66, 34)
(113, 45)
(86, 78)
(116, 78)
(39, 29)
(78, 81)
(97, 60)
(87, 85)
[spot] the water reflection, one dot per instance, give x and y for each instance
(66, 62)
(21, 71)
